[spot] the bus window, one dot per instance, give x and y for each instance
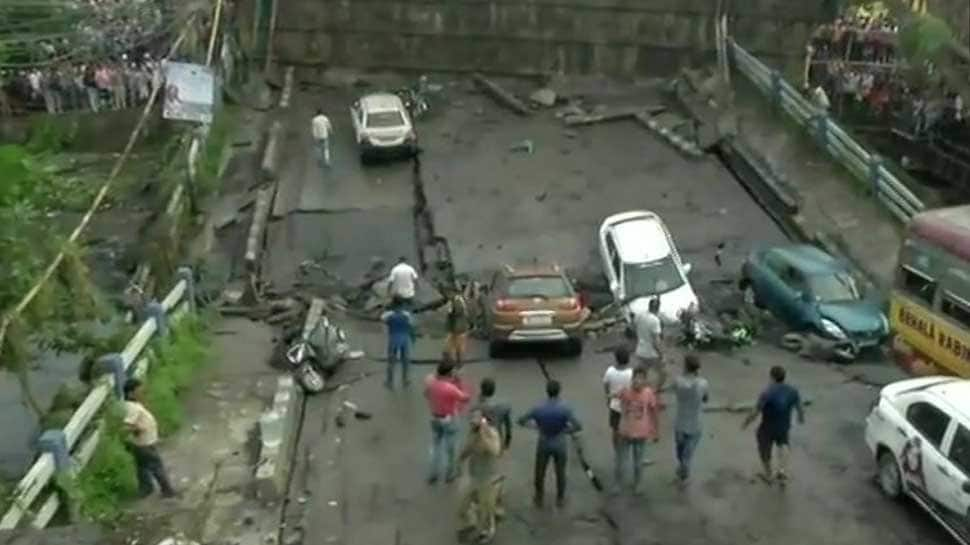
(919, 285)
(956, 308)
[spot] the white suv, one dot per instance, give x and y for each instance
(919, 434)
(382, 125)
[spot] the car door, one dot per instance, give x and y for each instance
(956, 497)
(612, 265)
(925, 469)
(772, 288)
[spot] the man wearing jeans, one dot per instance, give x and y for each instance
(691, 390)
(142, 445)
(554, 420)
(638, 424)
(445, 400)
(400, 337)
(322, 129)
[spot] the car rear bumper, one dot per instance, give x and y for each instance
(403, 148)
(520, 334)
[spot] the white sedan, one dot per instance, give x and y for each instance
(382, 125)
(919, 435)
(642, 262)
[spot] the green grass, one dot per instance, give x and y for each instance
(216, 144)
(173, 368)
(109, 479)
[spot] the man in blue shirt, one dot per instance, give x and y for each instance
(775, 406)
(555, 421)
(400, 336)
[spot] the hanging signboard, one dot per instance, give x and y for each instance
(190, 92)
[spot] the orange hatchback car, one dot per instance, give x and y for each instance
(536, 303)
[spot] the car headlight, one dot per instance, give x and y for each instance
(833, 329)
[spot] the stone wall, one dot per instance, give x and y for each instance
(614, 37)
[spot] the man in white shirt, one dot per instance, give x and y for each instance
(401, 283)
(649, 350)
(143, 442)
(617, 377)
(322, 129)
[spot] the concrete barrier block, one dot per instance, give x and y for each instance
(272, 152)
(278, 427)
(254, 243)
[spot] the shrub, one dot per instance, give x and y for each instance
(109, 478)
(173, 367)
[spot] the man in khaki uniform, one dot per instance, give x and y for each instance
(143, 442)
(479, 504)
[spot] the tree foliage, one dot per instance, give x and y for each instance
(924, 37)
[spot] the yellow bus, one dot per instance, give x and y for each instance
(930, 301)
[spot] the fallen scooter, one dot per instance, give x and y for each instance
(315, 355)
(698, 335)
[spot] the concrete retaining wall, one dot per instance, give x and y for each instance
(613, 37)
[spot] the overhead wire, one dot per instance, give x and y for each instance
(102, 193)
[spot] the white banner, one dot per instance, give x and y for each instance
(190, 92)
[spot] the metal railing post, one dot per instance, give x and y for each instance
(115, 364)
(776, 91)
(875, 163)
(156, 311)
(185, 273)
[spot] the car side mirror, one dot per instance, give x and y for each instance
(966, 487)
(688, 267)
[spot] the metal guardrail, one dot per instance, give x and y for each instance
(865, 166)
(70, 449)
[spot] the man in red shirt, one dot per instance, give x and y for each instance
(638, 424)
(445, 400)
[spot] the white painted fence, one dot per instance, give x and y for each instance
(34, 499)
(868, 167)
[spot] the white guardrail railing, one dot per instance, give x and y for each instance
(868, 167)
(69, 450)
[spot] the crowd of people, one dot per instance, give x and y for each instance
(855, 69)
(107, 61)
(632, 408)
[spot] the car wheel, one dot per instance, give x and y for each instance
(495, 349)
(890, 480)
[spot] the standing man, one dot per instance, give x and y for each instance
(400, 336)
(775, 406)
(458, 324)
(143, 442)
(555, 421)
(649, 352)
(322, 129)
(617, 378)
(638, 424)
(482, 450)
(445, 400)
(691, 391)
(401, 283)
(499, 416)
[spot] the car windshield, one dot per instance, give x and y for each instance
(834, 288)
(383, 120)
(652, 278)
(544, 287)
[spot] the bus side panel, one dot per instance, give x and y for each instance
(936, 338)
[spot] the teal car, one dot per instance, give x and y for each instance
(809, 290)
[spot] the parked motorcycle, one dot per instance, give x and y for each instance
(414, 101)
(316, 355)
